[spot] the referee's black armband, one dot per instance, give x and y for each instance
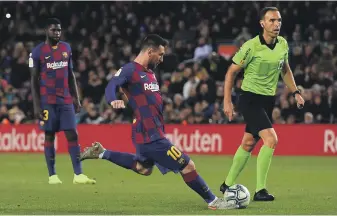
(296, 92)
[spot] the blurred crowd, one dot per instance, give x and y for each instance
(106, 35)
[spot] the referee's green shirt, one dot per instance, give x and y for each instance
(262, 64)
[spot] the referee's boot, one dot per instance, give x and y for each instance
(263, 195)
(223, 187)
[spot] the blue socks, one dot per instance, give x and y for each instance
(49, 152)
(74, 151)
(122, 159)
(196, 183)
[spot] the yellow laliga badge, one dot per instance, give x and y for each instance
(30, 61)
(134, 121)
(118, 72)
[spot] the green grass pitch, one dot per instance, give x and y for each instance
(302, 185)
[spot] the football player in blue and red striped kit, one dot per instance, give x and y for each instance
(141, 89)
(55, 98)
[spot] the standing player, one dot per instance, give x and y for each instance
(142, 90)
(55, 93)
(263, 58)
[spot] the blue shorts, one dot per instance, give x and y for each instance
(58, 117)
(163, 154)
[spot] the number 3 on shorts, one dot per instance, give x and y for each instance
(45, 115)
(174, 153)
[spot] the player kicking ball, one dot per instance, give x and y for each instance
(264, 59)
(140, 86)
(55, 94)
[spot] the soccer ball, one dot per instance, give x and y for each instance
(238, 194)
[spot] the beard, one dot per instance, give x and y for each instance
(152, 65)
(53, 41)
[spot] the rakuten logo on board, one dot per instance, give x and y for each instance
(195, 142)
(22, 142)
(330, 141)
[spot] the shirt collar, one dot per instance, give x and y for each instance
(263, 42)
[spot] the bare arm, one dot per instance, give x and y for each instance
(232, 71)
(73, 86)
(229, 82)
(288, 78)
(35, 90)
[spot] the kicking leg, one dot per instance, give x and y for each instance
(240, 160)
(122, 159)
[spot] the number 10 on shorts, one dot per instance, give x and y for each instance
(174, 153)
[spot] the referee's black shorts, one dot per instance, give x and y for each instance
(256, 110)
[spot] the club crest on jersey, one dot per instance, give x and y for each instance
(151, 87)
(65, 54)
(57, 65)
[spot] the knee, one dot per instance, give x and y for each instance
(248, 145)
(50, 136)
(189, 167)
(271, 141)
(145, 171)
(71, 135)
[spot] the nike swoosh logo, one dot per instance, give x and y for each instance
(47, 57)
(143, 76)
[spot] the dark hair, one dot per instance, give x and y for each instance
(265, 10)
(51, 21)
(153, 41)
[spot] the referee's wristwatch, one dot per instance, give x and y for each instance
(296, 92)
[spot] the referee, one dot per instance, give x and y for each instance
(264, 58)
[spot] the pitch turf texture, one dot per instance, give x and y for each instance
(302, 185)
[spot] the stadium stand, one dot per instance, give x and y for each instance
(106, 35)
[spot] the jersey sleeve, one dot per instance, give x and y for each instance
(122, 76)
(244, 55)
(34, 58)
(70, 63)
(286, 47)
(70, 60)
